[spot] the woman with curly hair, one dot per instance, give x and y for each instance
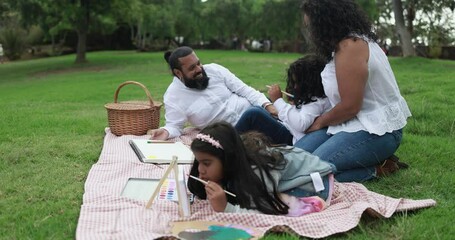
(363, 129)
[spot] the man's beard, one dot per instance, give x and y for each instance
(199, 83)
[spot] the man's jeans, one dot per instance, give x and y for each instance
(258, 119)
(355, 155)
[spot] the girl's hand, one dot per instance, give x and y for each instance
(216, 196)
(274, 92)
(272, 110)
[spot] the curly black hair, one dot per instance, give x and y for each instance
(331, 21)
(304, 79)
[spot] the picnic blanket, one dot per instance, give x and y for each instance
(105, 214)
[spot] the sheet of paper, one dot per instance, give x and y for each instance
(140, 188)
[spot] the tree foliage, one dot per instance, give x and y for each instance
(13, 41)
(157, 24)
(148, 20)
(424, 22)
(58, 17)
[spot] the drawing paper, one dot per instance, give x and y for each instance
(161, 153)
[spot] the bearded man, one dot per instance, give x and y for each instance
(203, 94)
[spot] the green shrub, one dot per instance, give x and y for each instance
(435, 52)
(35, 35)
(14, 42)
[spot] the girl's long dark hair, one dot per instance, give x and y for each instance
(239, 177)
(332, 21)
(304, 79)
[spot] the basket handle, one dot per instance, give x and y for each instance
(138, 84)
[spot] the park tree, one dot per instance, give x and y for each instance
(80, 15)
(47, 17)
(223, 20)
(403, 32)
(5, 10)
(286, 19)
(370, 8)
(422, 22)
(56, 17)
(433, 27)
(283, 20)
(159, 21)
(285, 29)
(188, 21)
(12, 35)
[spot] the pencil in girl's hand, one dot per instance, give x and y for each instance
(285, 93)
(205, 183)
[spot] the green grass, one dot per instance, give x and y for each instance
(53, 119)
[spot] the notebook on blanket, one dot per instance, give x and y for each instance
(157, 152)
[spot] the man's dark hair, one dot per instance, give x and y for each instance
(172, 57)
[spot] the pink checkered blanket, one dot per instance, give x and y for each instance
(105, 214)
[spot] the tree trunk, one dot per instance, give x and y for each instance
(81, 46)
(405, 35)
(138, 41)
(53, 44)
(82, 31)
(410, 16)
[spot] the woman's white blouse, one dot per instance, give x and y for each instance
(384, 109)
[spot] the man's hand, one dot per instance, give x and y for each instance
(158, 134)
(216, 196)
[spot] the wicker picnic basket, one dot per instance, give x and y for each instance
(133, 117)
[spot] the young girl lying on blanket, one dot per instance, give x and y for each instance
(271, 180)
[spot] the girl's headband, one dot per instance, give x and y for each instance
(208, 139)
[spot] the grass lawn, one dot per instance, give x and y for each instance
(52, 121)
